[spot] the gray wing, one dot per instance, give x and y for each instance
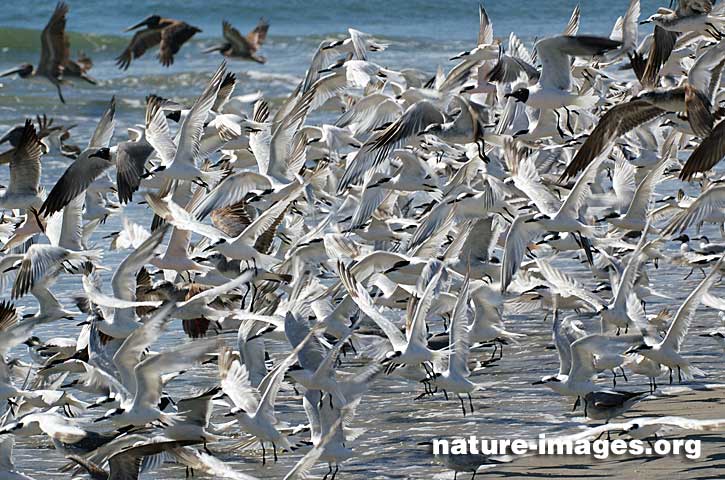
(131, 159)
(104, 130)
(74, 181)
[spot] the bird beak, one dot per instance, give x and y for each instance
(460, 55)
(99, 419)
(230, 414)
(209, 248)
(538, 382)
(12, 71)
(645, 22)
(138, 25)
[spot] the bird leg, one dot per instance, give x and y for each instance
(329, 471)
(264, 454)
(60, 93)
(614, 378)
(470, 402)
(558, 120)
(624, 375)
(274, 450)
(679, 374)
(670, 376)
(576, 404)
(463, 407)
(334, 474)
(568, 120)
(445, 394)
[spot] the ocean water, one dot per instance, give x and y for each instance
(422, 34)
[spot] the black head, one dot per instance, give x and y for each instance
(234, 411)
(23, 71)
(433, 129)
(174, 115)
(12, 427)
(520, 94)
(110, 414)
(392, 355)
(639, 348)
(104, 153)
(545, 380)
(33, 341)
(397, 266)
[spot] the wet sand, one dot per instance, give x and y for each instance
(702, 402)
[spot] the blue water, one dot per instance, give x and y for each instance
(428, 19)
(422, 34)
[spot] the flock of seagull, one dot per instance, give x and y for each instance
(401, 237)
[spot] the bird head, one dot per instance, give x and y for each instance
(432, 129)
(547, 380)
(638, 348)
(520, 94)
(110, 414)
(12, 427)
(174, 115)
(33, 342)
(150, 21)
(219, 242)
(23, 71)
(104, 153)
(234, 412)
(652, 19)
(538, 217)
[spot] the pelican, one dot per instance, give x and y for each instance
(55, 63)
(168, 33)
(240, 47)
